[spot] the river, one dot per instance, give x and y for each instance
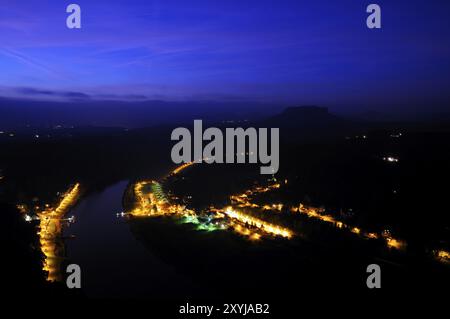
(113, 262)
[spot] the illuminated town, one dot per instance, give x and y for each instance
(242, 216)
(152, 201)
(51, 223)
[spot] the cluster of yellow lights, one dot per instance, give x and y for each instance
(258, 223)
(245, 197)
(245, 231)
(182, 167)
(246, 224)
(150, 205)
(442, 255)
(244, 201)
(50, 229)
(318, 214)
(395, 243)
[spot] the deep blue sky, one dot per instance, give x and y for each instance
(287, 52)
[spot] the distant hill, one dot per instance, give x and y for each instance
(21, 113)
(310, 122)
(305, 116)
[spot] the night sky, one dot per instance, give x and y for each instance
(285, 52)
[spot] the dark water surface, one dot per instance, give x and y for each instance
(112, 261)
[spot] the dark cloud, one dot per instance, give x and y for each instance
(75, 95)
(33, 91)
(135, 97)
(131, 97)
(28, 91)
